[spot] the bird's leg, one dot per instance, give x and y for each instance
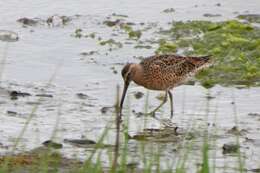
(156, 109)
(171, 102)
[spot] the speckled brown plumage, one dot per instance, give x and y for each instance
(162, 72)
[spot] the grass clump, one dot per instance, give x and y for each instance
(43, 160)
(234, 46)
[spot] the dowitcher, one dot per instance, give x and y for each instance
(161, 72)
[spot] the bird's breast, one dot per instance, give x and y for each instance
(153, 84)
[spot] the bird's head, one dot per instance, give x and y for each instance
(127, 72)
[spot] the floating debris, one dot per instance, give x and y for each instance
(138, 95)
(257, 170)
(169, 10)
(33, 103)
(54, 20)
(8, 36)
(57, 20)
(79, 141)
(3, 147)
(15, 94)
(138, 114)
(230, 148)
(211, 15)
(82, 96)
(86, 143)
(111, 23)
(28, 22)
(119, 15)
(235, 131)
(143, 47)
(254, 114)
(51, 144)
(249, 139)
(89, 53)
(157, 135)
(132, 166)
(114, 70)
(105, 109)
(209, 97)
(44, 95)
(11, 113)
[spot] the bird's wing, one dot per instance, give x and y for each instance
(186, 66)
(167, 59)
(169, 64)
(181, 69)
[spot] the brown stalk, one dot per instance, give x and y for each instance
(118, 121)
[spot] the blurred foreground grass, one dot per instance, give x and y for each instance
(47, 159)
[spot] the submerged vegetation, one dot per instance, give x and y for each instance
(234, 46)
(111, 43)
(250, 17)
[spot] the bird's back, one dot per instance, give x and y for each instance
(166, 71)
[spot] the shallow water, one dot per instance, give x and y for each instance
(42, 49)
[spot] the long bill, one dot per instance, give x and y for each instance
(123, 97)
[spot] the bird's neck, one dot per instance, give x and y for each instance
(138, 75)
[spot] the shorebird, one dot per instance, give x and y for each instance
(162, 72)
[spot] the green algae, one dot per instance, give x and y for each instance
(126, 27)
(132, 34)
(111, 43)
(234, 46)
(135, 34)
(166, 47)
(119, 15)
(91, 35)
(78, 33)
(253, 18)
